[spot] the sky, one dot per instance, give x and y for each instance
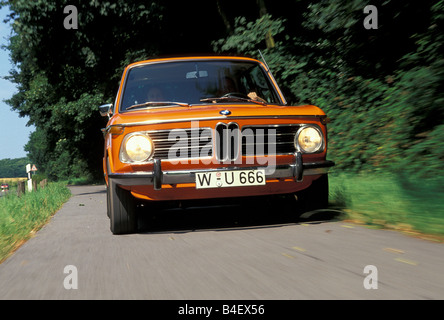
(14, 132)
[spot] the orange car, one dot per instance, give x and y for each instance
(208, 127)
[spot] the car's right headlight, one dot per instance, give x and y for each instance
(309, 139)
(136, 148)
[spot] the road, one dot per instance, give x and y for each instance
(218, 253)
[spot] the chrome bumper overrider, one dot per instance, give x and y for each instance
(157, 177)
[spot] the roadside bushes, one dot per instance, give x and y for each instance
(386, 109)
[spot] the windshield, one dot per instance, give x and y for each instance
(194, 82)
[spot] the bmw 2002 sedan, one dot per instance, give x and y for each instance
(208, 127)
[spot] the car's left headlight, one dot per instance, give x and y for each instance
(309, 139)
(136, 148)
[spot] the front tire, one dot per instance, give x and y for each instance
(316, 196)
(122, 210)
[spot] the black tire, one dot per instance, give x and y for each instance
(122, 210)
(316, 196)
(108, 203)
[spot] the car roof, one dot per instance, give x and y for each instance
(191, 58)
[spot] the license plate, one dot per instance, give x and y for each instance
(236, 178)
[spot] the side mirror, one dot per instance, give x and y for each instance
(106, 110)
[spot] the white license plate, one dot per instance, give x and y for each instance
(236, 178)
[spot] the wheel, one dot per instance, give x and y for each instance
(316, 196)
(108, 203)
(121, 210)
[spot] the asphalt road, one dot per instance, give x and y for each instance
(218, 253)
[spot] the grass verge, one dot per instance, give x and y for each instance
(21, 217)
(390, 201)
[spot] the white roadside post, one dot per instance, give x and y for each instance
(28, 171)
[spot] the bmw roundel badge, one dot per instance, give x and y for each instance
(225, 112)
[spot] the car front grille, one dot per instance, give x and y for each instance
(268, 140)
(182, 143)
(192, 143)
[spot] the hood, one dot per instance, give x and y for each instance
(211, 112)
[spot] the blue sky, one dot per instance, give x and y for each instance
(14, 133)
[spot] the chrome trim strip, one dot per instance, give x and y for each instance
(276, 124)
(149, 122)
(187, 176)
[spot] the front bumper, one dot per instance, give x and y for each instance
(296, 170)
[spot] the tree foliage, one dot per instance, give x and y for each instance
(382, 88)
(63, 75)
(13, 168)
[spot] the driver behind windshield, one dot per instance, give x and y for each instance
(155, 94)
(227, 86)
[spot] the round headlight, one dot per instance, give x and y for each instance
(309, 140)
(138, 148)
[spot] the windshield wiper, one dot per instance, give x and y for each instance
(158, 104)
(232, 98)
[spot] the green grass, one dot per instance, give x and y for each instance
(21, 217)
(390, 201)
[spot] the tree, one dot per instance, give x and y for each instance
(13, 168)
(382, 88)
(63, 75)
